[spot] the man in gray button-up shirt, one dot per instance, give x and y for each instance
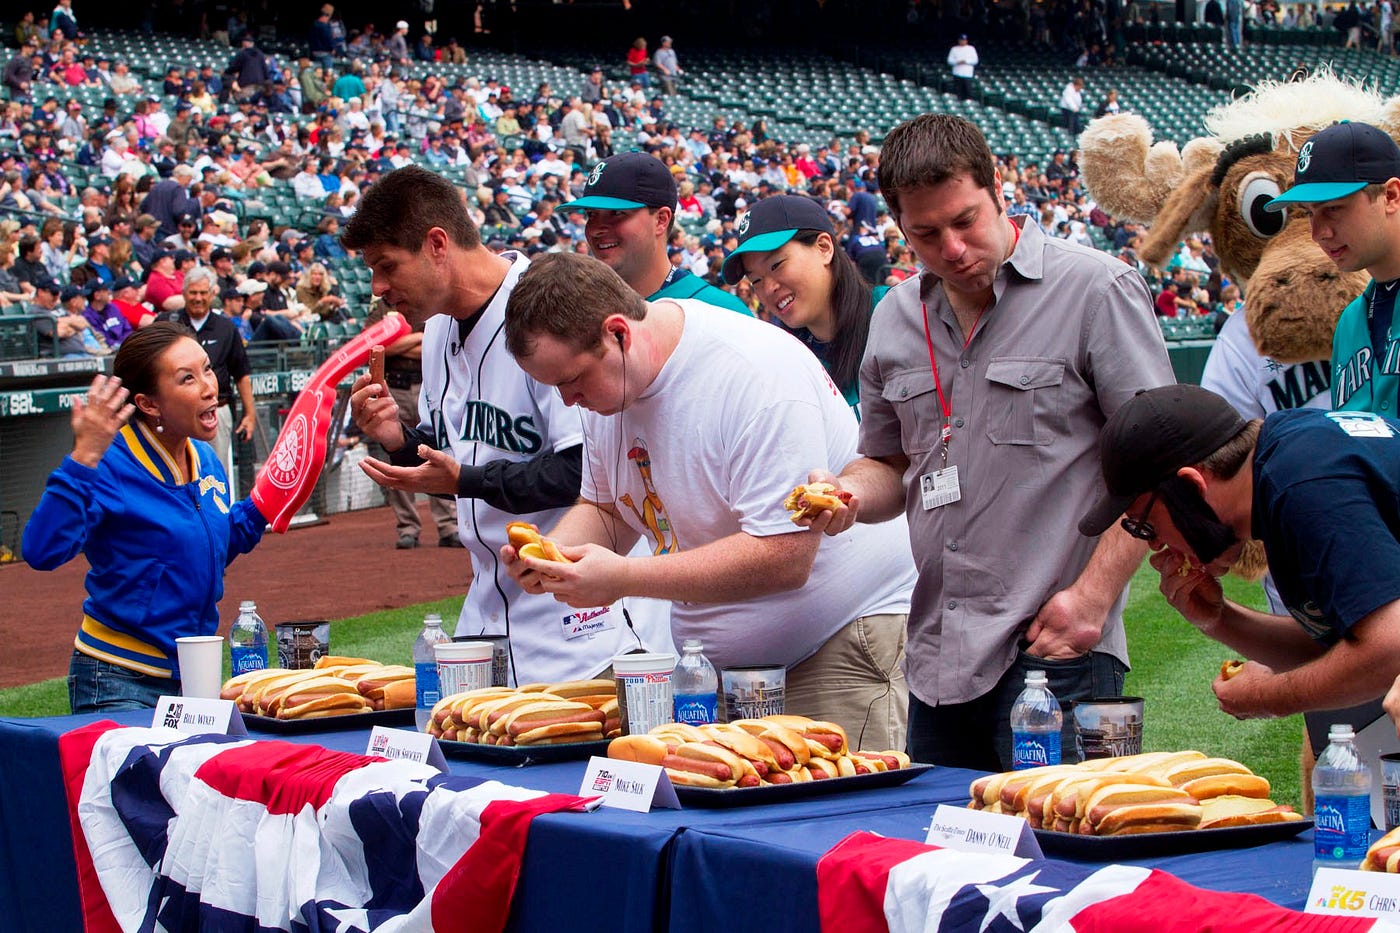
(1001, 362)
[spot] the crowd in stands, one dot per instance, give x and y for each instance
(108, 208)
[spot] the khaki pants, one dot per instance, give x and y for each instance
(856, 680)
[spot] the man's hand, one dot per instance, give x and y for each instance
(597, 576)
(1067, 626)
(436, 474)
(246, 424)
(377, 414)
(1245, 694)
(1190, 590)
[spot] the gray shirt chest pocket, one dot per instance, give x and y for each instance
(1025, 400)
(915, 402)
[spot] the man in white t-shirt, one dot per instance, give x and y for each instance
(697, 429)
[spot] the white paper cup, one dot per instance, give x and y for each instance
(644, 694)
(201, 660)
(463, 665)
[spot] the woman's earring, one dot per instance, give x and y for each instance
(160, 428)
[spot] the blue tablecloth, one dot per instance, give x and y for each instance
(610, 870)
(767, 875)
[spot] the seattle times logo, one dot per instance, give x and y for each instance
(291, 454)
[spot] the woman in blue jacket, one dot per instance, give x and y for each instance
(144, 498)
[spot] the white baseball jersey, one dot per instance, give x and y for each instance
(1255, 386)
(478, 403)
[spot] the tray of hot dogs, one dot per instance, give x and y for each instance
(530, 724)
(1158, 803)
(338, 693)
(751, 762)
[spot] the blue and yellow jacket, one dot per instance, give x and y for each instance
(157, 547)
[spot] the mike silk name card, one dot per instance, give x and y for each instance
(980, 831)
(197, 716)
(628, 785)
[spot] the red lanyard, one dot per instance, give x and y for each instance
(947, 433)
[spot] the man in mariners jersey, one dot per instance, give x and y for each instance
(1348, 183)
(631, 204)
(503, 444)
(1319, 488)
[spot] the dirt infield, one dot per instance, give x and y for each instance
(344, 567)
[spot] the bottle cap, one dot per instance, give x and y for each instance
(692, 643)
(1341, 730)
(247, 606)
(1036, 678)
(432, 618)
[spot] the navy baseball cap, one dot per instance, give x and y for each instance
(1154, 434)
(627, 181)
(1338, 161)
(772, 222)
(95, 286)
(69, 293)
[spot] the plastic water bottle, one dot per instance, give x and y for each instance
(247, 640)
(695, 686)
(1035, 725)
(1341, 783)
(425, 672)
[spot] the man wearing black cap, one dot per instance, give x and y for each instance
(95, 268)
(52, 322)
(1320, 489)
(1347, 181)
(631, 204)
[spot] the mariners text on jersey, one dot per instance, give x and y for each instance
(486, 424)
(1353, 374)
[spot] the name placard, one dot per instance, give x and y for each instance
(403, 745)
(1354, 894)
(198, 716)
(628, 785)
(980, 831)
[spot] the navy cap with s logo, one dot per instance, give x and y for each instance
(627, 181)
(1338, 161)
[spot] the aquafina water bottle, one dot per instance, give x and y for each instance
(425, 672)
(1035, 725)
(1341, 783)
(247, 640)
(695, 686)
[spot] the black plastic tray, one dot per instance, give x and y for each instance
(1146, 845)
(387, 717)
(522, 755)
(778, 793)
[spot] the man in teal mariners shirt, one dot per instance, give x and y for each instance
(631, 203)
(1348, 183)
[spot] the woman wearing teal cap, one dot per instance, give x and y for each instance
(788, 251)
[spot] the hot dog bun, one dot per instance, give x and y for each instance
(528, 542)
(1234, 810)
(1229, 669)
(1384, 854)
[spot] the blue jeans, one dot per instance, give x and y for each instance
(977, 734)
(101, 687)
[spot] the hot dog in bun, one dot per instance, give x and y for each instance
(811, 499)
(1229, 669)
(528, 542)
(1384, 854)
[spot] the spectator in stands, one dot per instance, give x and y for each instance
(63, 246)
(116, 154)
(186, 230)
(1110, 105)
(143, 241)
(247, 71)
(322, 42)
(498, 212)
(1174, 300)
(789, 253)
(1071, 104)
(63, 21)
(105, 318)
(55, 326)
(97, 265)
(637, 61)
(668, 66)
(12, 290)
(126, 296)
(316, 290)
(27, 31)
(630, 202)
(164, 283)
(170, 199)
(962, 60)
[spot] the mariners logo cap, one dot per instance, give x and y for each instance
(1155, 433)
(772, 222)
(627, 181)
(1338, 161)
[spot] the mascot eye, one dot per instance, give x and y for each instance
(1258, 189)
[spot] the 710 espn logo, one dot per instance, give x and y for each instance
(1343, 898)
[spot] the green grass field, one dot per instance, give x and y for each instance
(1173, 667)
